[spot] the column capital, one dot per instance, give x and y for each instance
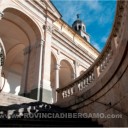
(1, 15)
(57, 67)
(49, 28)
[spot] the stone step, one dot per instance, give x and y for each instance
(10, 99)
(40, 108)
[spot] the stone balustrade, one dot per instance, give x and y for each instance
(89, 77)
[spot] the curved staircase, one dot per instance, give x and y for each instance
(48, 115)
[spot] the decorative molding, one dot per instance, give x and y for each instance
(57, 67)
(48, 28)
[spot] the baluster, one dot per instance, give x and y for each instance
(82, 84)
(110, 53)
(90, 78)
(105, 59)
(79, 86)
(96, 71)
(87, 80)
(93, 76)
(68, 92)
(72, 91)
(63, 95)
(73, 88)
(108, 57)
(101, 67)
(114, 44)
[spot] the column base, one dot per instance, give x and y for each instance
(47, 92)
(25, 95)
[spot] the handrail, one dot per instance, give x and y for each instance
(102, 62)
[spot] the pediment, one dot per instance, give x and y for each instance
(45, 6)
(51, 7)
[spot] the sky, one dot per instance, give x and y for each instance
(98, 16)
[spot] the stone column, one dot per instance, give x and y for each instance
(76, 64)
(47, 90)
(36, 89)
(54, 93)
(32, 73)
(57, 75)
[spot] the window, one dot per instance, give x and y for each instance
(79, 27)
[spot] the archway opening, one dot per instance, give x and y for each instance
(17, 32)
(65, 73)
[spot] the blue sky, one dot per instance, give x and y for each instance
(98, 15)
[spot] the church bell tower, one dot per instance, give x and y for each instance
(80, 28)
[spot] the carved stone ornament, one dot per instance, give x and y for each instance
(48, 28)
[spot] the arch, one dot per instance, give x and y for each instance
(53, 54)
(22, 18)
(66, 73)
(69, 61)
(23, 33)
(24, 15)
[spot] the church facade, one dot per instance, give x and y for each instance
(39, 51)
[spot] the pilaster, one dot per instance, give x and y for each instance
(46, 69)
(36, 90)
